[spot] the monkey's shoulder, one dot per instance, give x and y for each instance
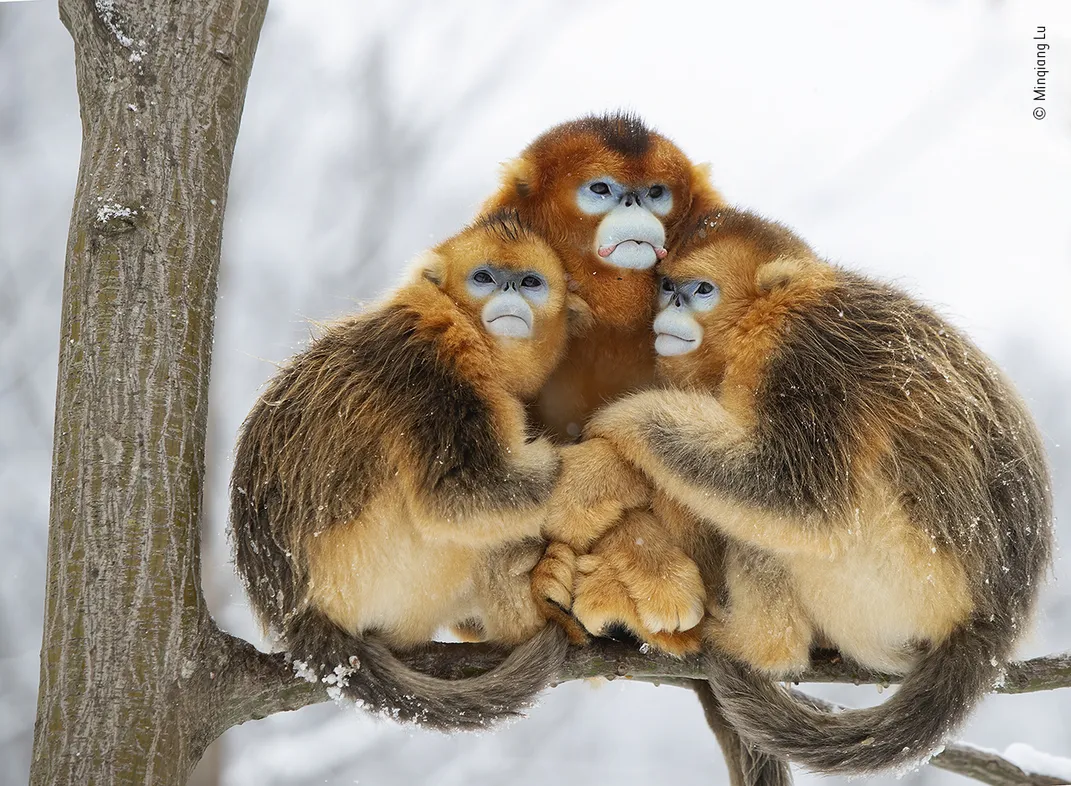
(866, 336)
(413, 376)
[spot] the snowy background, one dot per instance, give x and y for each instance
(896, 136)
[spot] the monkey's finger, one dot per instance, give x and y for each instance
(550, 589)
(669, 610)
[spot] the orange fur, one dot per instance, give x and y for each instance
(857, 474)
(616, 355)
(386, 484)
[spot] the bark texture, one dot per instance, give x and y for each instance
(161, 87)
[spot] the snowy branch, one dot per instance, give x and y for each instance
(989, 767)
(251, 684)
(612, 659)
(265, 683)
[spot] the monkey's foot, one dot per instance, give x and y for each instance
(663, 582)
(554, 575)
(552, 589)
(602, 602)
(669, 595)
(681, 643)
(469, 630)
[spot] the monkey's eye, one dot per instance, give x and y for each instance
(600, 188)
(704, 288)
(655, 192)
(531, 282)
(667, 285)
(483, 277)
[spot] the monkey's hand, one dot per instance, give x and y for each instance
(595, 487)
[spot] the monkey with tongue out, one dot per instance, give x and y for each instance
(611, 196)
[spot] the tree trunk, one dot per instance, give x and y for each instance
(161, 87)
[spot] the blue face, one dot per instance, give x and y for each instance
(509, 297)
(677, 331)
(630, 234)
(600, 196)
(697, 294)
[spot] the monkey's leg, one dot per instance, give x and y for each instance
(552, 585)
(509, 613)
(594, 488)
(762, 624)
(693, 449)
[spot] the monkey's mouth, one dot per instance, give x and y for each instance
(509, 326)
(670, 344)
(632, 247)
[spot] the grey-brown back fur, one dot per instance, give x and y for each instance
(330, 429)
(866, 365)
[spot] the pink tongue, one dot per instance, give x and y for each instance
(605, 251)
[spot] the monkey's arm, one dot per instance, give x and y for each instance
(596, 486)
(495, 496)
(726, 473)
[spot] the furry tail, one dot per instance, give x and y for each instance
(934, 699)
(748, 766)
(364, 669)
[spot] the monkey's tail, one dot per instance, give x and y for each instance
(364, 669)
(934, 699)
(747, 765)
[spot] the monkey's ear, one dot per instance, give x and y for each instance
(431, 267)
(703, 189)
(578, 313)
(701, 174)
(519, 175)
(780, 274)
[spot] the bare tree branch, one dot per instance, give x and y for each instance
(989, 767)
(608, 659)
(256, 684)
